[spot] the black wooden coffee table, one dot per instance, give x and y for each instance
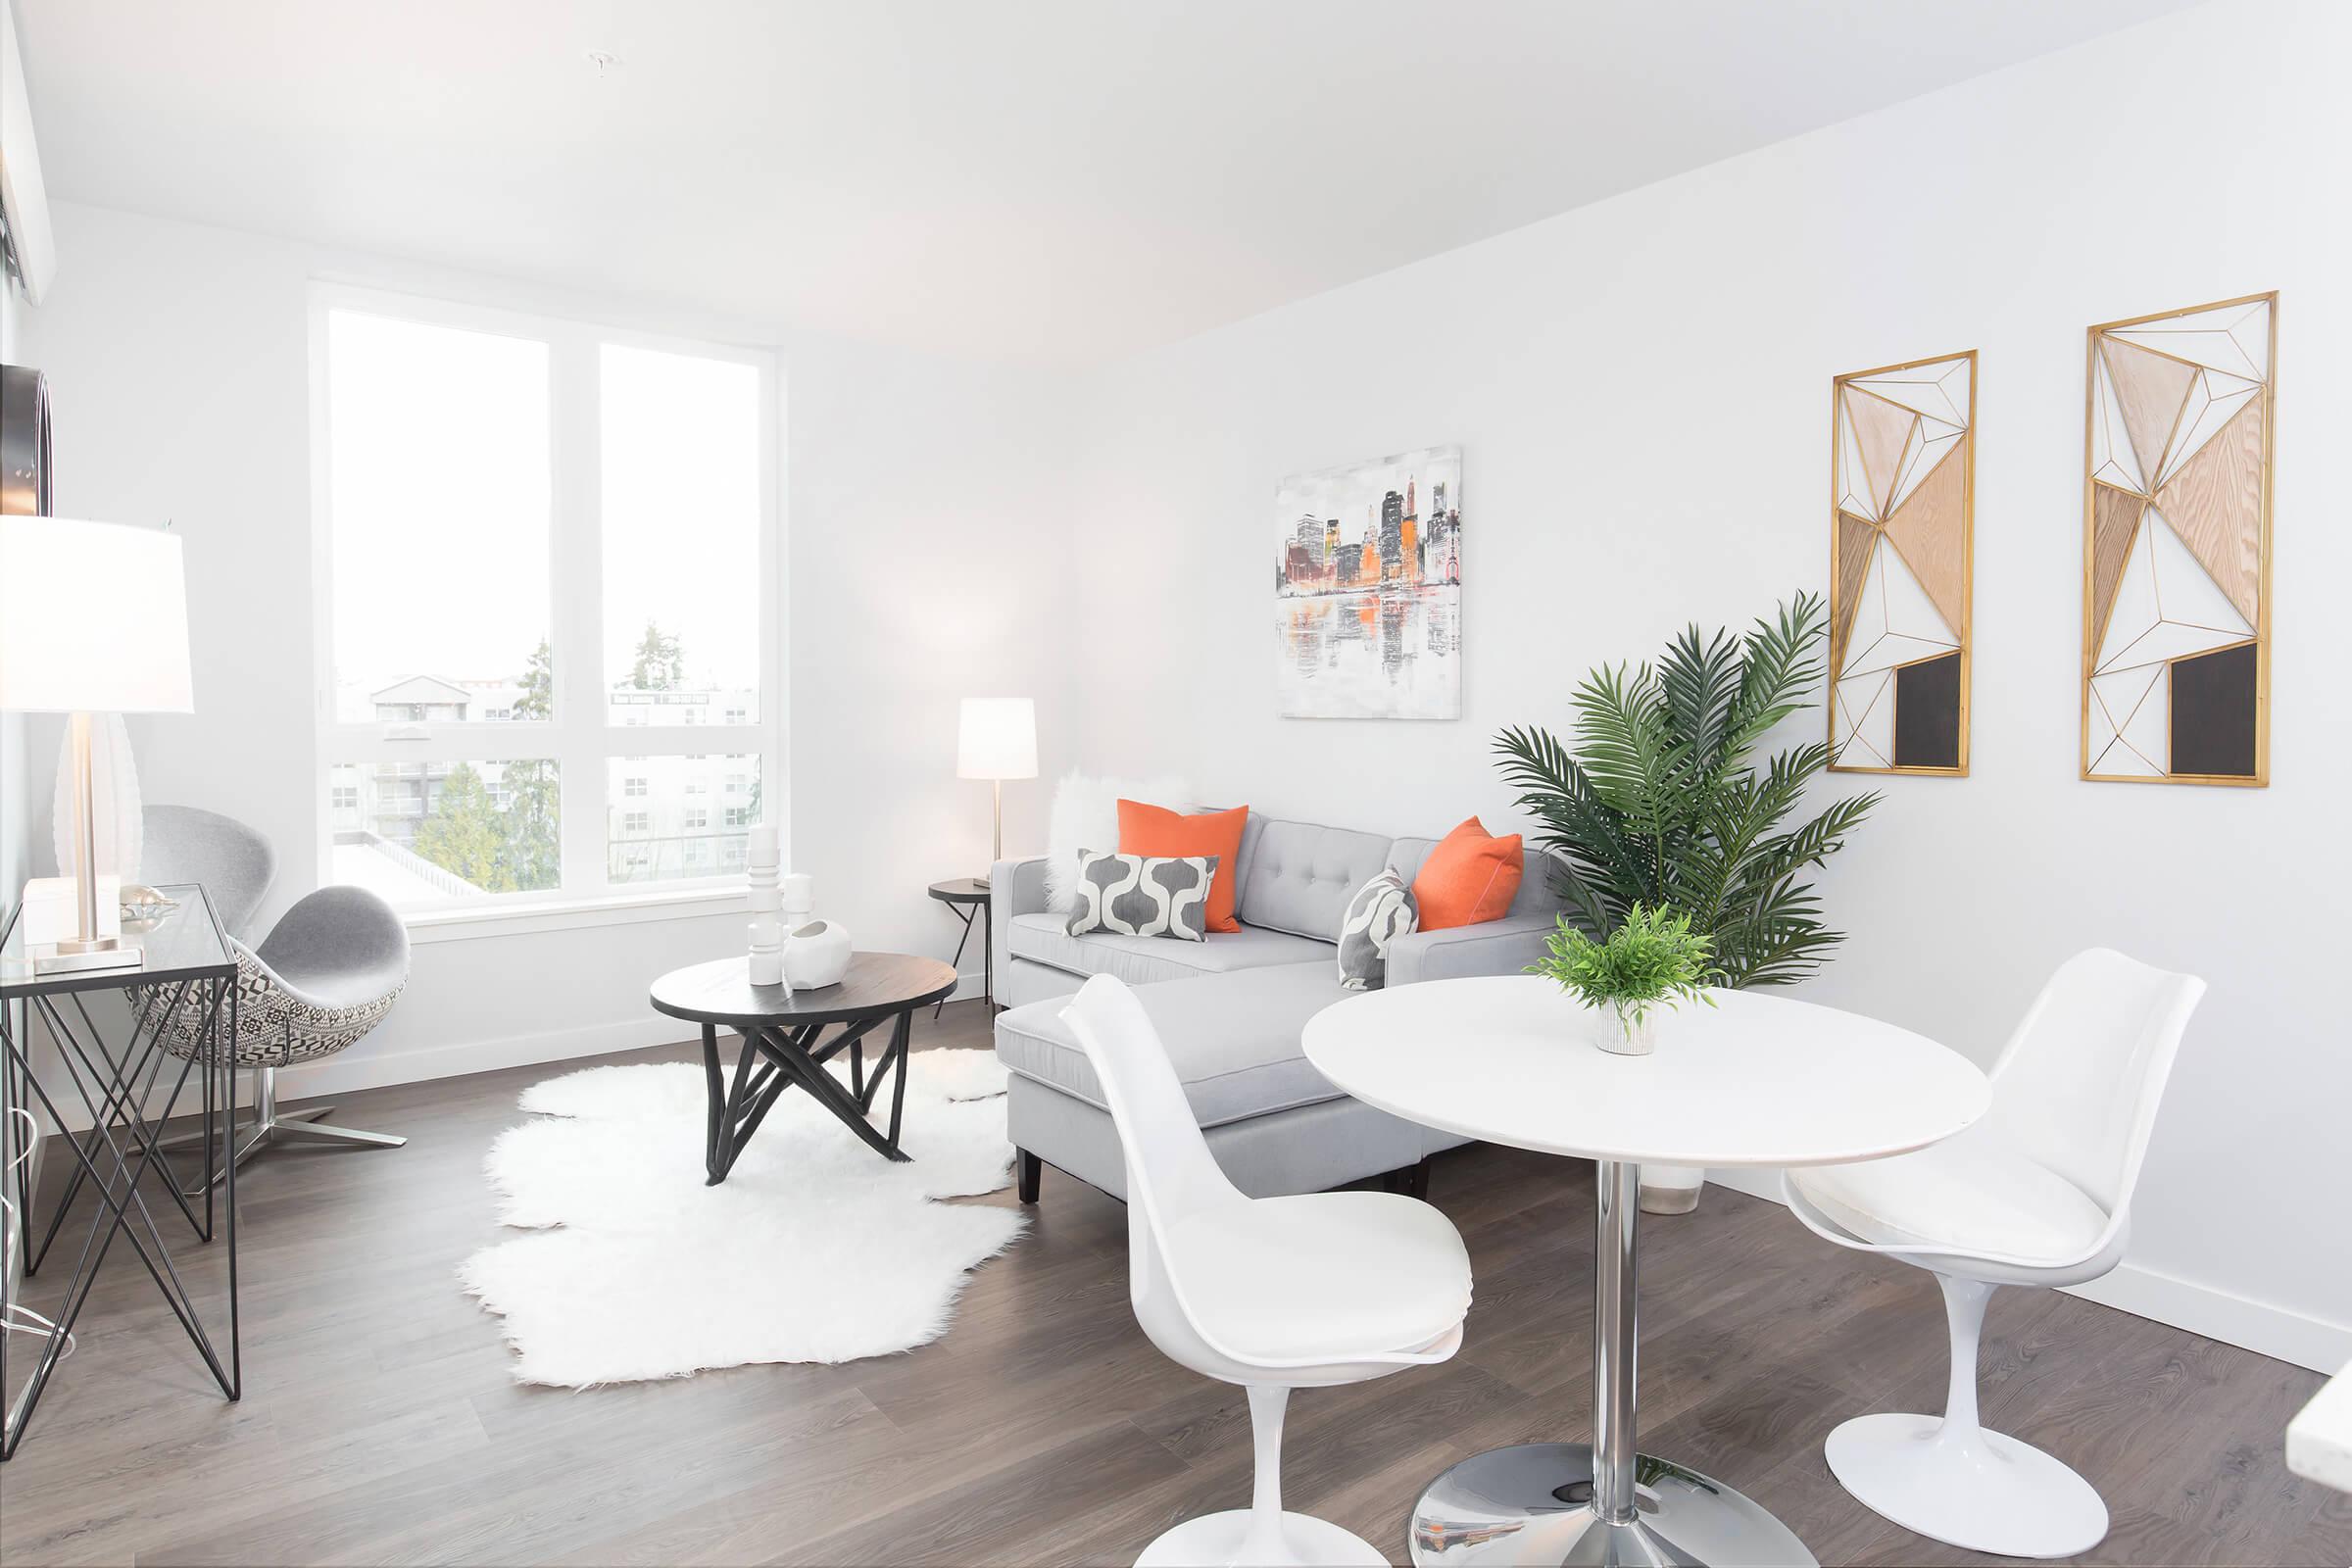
(783, 1036)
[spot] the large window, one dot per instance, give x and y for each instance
(548, 606)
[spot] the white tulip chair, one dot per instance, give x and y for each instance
(1271, 1294)
(2038, 1192)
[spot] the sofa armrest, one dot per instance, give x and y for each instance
(1496, 947)
(1014, 887)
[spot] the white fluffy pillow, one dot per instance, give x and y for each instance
(1086, 816)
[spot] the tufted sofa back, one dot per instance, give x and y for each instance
(1297, 876)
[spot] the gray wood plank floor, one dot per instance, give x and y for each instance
(379, 1424)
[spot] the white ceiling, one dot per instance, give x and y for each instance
(1065, 180)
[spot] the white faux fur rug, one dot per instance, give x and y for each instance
(814, 1249)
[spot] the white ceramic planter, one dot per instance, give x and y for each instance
(1627, 1034)
(1671, 1189)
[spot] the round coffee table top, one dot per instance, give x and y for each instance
(961, 890)
(721, 991)
(1754, 1080)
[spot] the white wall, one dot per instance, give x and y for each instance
(15, 828)
(921, 522)
(1642, 389)
(14, 840)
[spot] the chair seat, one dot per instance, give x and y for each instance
(338, 948)
(1974, 1193)
(1322, 1276)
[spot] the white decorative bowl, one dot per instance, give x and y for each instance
(816, 955)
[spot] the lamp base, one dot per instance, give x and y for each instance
(73, 958)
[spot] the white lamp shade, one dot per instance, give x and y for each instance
(996, 739)
(93, 618)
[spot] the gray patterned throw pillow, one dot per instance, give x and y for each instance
(1142, 895)
(1382, 911)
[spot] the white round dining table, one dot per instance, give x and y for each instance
(1753, 1080)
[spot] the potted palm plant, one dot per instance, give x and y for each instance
(1662, 799)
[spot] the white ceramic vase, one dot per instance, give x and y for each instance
(765, 932)
(816, 955)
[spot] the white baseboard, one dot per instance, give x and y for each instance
(347, 1074)
(2274, 1331)
(350, 1074)
(2280, 1332)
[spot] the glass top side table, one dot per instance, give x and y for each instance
(124, 1086)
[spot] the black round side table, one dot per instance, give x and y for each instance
(781, 1033)
(966, 898)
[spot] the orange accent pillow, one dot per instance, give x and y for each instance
(1156, 830)
(1470, 878)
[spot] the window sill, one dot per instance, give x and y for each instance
(574, 915)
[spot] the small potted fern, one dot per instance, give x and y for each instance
(1649, 965)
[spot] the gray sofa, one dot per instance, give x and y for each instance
(1231, 1010)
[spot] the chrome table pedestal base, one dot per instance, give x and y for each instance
(1602, 1503)
(1534, 1505)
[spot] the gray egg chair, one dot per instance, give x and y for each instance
(327, 973)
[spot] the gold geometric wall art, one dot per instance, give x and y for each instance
(1902, 506)
(2176, 546)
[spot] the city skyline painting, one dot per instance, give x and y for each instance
(1368, 588)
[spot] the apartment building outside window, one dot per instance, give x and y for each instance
(591, 552)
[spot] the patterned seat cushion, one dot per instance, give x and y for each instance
(274, 1027)
(327, 974)
(1140, 960)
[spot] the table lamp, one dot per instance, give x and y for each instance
(93, 619)
(997, 740)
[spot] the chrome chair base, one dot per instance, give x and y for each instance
(269, 1125)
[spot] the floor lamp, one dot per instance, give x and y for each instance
(93, 619)
(997, 740)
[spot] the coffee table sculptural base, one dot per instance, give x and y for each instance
(784, 1046)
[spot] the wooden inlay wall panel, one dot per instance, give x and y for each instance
(2176, 559)
(1902, 499)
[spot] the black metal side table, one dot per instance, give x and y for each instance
(185, 962)
(967, 898)
(782, 1034)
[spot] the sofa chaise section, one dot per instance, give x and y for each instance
(1232, 1011)
(1276, 1125)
